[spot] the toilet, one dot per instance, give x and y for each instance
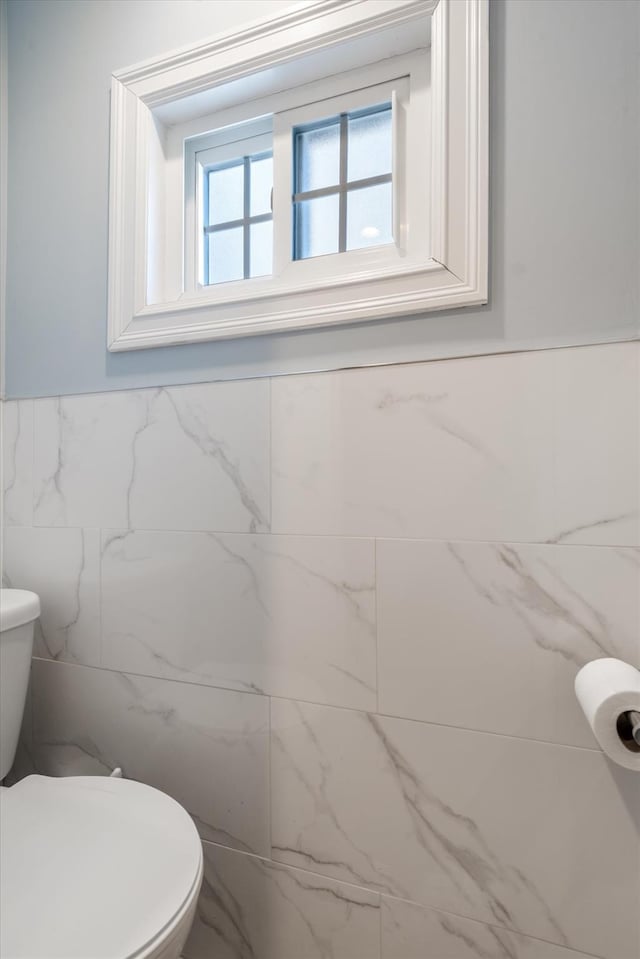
(91, 867)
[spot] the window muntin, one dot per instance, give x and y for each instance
(238, 219)
(342, 197)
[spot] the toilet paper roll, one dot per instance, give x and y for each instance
(607, 690)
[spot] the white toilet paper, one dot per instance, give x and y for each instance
(606, 690)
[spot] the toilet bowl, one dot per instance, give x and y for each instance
(107, 868)
(91, 867)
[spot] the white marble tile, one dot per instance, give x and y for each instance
(459, 449)
(597, 440)
(511, 832)
(491, 636)
(193, 457)
(63, 567)
(17, 461)
(414, 932)
(252, 909)
(202, 458)
(290, 616)
(208, 748)
(83, 458)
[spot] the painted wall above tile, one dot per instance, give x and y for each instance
(564, 189)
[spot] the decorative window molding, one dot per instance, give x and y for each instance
(160, 108)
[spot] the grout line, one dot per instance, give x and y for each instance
(308, 702)
(376, 601)
(270, 463)
(345, 536)
(100, 604)
(387, 896)
(269, 773)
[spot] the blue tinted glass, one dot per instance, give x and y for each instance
(261, 185)
(261, 240)
(369, 216)
(318, 157)
(226, 194)
(226, 255)
(316, 226)
(369, 149)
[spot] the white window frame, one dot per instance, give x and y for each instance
(152, 302)
(200, 154)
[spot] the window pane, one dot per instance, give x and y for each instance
(226, 194)
(261, 248)
(226, 260)
(316, 227)
(261, 184)
(369, 150)
(318, 157)
(369, 216)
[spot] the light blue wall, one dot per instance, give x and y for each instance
(564, 211)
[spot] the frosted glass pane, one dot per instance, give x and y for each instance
(318, 158)
(226, 194)
(369, 149)
(369, 216)
(261, 237)
(261, 184)
(226, 260)
(317, 226)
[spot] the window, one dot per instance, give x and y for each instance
(328, 191)
(325, 165)
(237, 219)
(343, 174)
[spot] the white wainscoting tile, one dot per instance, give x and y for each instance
(84, 458)
(208, 748)
(63, 567)
(597, 439)
(252, 909)
(414, 932)
(511, 832)
(202, 458)
(459, 449)
(491, 636)
(193, 457)
(292, 616)
(17, 461)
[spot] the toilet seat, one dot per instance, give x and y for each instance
(94, 868)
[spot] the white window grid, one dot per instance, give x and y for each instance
(247, 219)
(344, 185)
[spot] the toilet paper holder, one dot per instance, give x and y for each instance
(628, 727)
(608, 690)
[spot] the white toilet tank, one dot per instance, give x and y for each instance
(19, 609)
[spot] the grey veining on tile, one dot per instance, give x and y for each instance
(193, 457)
(290, 616)
(418, 451)
(16, 454)
(415, 932)
(491, 636)
(597, 445)
(82, 458)
(446, 817)
(202, 459)
(253, 909)
(62, 567)
(208, 748)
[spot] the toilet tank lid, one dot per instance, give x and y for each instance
(17, 607)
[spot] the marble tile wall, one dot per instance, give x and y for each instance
(338, 617)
